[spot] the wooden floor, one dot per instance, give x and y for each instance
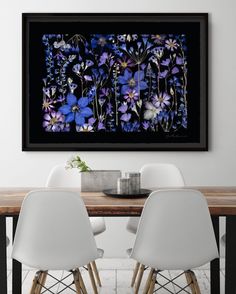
(116, 276)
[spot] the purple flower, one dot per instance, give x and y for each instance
(174, 81)
(131, 95)
(104, 92)
(179, 60)
(47, 105)
(87, 78)
(76, 109)
(101, 126)
(166, 62)
(162, 100)
(146, 125)
(60, 98)
(103, 58)
(171, 44)
(126, 62)
(128, 81)
(109, 108)
(125, 117)
(53, 121)
(158, 39)
(163, 74)
(174, 70)
(123, 108)
(91, 121)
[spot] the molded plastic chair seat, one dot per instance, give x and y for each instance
(132, 225)
(59, 177)
(154, 176)
(175, 233)
(70, 178)
(54, 233)
(98, 225)
(223, 240)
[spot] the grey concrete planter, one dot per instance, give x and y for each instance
(99, 180)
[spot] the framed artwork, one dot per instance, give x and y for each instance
(115, 81)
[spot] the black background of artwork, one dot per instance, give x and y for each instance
(36, 68)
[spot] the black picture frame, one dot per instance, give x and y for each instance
(193, 25)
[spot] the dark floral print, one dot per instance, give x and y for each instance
(114, 83)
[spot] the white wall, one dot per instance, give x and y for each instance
(215, 167)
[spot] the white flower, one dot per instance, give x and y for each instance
(171, 44)
(151, 111)
(84, 128)
(162, 100)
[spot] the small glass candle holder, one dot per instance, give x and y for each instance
(123, 185)
(134, 184)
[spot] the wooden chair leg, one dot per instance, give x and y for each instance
(190, 281)
(95, 270)
(92, 279)
(195, 283)
(148, 282)
(152, 284)
(41, 279)
(135, 273)
(139, 279)
(44, 278)
(41, 282)
(35, 282)
(79, 283)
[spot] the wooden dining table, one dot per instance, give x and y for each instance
(221, 202)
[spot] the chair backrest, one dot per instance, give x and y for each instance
(53, 231)
(158, 175)
(175, 231)
(61, 177)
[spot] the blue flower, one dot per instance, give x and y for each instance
(130, 127)
(76, 109)
(128, 81)
(102, 41)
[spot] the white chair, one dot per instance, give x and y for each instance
(54, 233)
(70, 178)
(175, 233)
(153, 176)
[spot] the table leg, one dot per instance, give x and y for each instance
(16, 267)
(3, 255)
(215, 264)
(230, 256)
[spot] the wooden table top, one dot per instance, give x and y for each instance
(221, 201)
